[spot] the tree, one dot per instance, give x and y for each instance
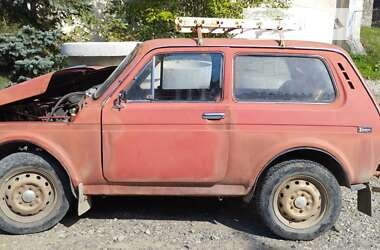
(30, 52)
(147, 19)
(42, 14)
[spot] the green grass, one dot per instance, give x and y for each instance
(369, 65)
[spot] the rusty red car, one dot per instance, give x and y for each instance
(283, 127)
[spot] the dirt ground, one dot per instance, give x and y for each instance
(191, 223)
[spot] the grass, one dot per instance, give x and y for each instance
(369, 65)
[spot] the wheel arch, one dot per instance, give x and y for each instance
(10, 147)
(318, 155)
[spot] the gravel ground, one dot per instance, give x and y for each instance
(191, 223)
(374, 86)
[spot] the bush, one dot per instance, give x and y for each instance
(29, 53)
(4, 81)
(8, 27)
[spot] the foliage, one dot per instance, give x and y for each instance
(155, 18)
(29, 53)
(42, 14)
(369, 65)
(3, 81)
(8, 27)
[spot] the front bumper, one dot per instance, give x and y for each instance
(365, 192)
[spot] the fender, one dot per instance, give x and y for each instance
(329, 150)
(51, 149)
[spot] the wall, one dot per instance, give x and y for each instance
(313, 21)
(97, 53)
(367, 13)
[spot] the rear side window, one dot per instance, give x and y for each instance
(282, 79)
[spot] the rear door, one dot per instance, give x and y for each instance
(173, 127)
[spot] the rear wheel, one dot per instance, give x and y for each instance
(32, 194)
(298, 199)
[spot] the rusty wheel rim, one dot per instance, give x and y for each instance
(27, 196)
(300, 202)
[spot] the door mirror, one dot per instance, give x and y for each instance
(123, 95)
(120, 100)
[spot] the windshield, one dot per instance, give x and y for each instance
(116, 73)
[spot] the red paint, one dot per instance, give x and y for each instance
(35, 86)
(167, 148)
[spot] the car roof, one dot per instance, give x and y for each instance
(235, 42)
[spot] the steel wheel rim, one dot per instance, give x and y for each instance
(27, 196)
(300, 202)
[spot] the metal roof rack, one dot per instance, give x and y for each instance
(203, 25)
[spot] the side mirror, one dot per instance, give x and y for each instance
(120, 100)
(123, 95)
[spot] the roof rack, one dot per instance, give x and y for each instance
(203, 25)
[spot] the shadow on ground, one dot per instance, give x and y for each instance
(231, 212)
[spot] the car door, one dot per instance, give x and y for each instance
(172, 126)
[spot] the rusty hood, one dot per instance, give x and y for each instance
(58, 80)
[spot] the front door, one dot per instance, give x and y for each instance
(172, 128)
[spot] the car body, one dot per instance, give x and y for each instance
(207, 140)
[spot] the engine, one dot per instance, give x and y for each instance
(62, 100)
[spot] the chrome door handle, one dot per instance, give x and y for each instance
(213, 116)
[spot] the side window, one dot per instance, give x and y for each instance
(282, 79)
(180, 77)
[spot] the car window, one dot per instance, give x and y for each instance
(282, 79)
(179, 77)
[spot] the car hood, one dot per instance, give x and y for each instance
(39, 85)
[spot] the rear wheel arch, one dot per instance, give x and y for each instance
(10, 147)
(318, 155)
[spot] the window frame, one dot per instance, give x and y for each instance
(153, 58)
(322, 59)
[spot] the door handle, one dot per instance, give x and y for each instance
(213, 116)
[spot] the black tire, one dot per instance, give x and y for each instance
(273, 205)
(49, 192)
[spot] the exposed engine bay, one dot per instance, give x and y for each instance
(63, 98)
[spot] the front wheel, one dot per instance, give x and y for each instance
(32, 194)
(298, 199)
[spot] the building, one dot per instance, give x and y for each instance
(329, 21)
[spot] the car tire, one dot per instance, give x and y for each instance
(298, 199)
(34, 193)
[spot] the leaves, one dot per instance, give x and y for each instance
(30, 52)
(42, 14)
(148, 19)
